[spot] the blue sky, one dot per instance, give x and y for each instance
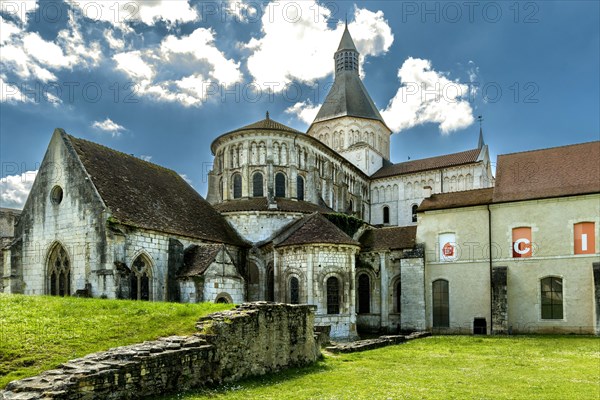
(162, 79)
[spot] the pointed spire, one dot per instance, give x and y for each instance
(268, 115)
(347, 43)
(481, 142)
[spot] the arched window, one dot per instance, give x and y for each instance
(140, 279)
(552, 298)
(333, 295)
(300, 187)
(221, 188)
(414, 213)
(257, 185)
(351, 206)
(441, 306)
(294, 290)
(364, 294)
(59, 272)
(237, 186)
(279, 185)
(270, 284)
(386, 215)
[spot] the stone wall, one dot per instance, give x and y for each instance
(252, 339)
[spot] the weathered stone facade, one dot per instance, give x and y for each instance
(8, 218)
(253, 339)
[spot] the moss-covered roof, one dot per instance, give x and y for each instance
(312, 229)
(389, 238)
(262, 204)
(145, 195)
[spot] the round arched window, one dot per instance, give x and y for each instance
(56, 195)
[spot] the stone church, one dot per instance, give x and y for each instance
(321, 218)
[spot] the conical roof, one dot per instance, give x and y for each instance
(348, 97)
(347, 43)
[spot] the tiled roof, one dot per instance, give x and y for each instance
(466, 198)
(262, 204)
(553, 172)
(197, 259)
(392, 238)
(312, 229)
(146, 195)
(409, 167)
(266, 124)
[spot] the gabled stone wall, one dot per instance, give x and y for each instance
(252, 339)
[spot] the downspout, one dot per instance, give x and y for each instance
(490, 261)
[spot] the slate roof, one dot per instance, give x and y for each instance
(554, 172)
(148, 196)
(266, 124)
(197, 259)
(14, 211)
(348, 97)
(389, 238)
(262, 204)
(312, 229)
(425, 164)
(466, 198)
(346, 43)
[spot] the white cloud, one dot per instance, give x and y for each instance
(109, 126)
(170, 73)
(47, 53)
(30, 56)
(428, 96)
(241, 10)
(146, 158)
(305, 111)
(78, 53)
(14, 189)
(121, 12)
(371, 33)
(7, 30)
(298, 45)
(133, 65)
(200, 44)
(113, 42)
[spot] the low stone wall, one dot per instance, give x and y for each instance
(252, 339)
(370, 344)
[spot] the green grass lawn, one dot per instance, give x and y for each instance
(440, 367)
(39, 332)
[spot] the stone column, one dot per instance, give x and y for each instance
(276, 278)
(499, 301)
(309, 279)
(383, 273)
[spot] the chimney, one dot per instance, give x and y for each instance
(427, 191)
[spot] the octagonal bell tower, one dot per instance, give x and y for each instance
(348, 120)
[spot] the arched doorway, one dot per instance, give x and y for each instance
(140, 279)
(59, 272)
(364, 294)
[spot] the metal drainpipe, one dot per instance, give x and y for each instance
(490, 257)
